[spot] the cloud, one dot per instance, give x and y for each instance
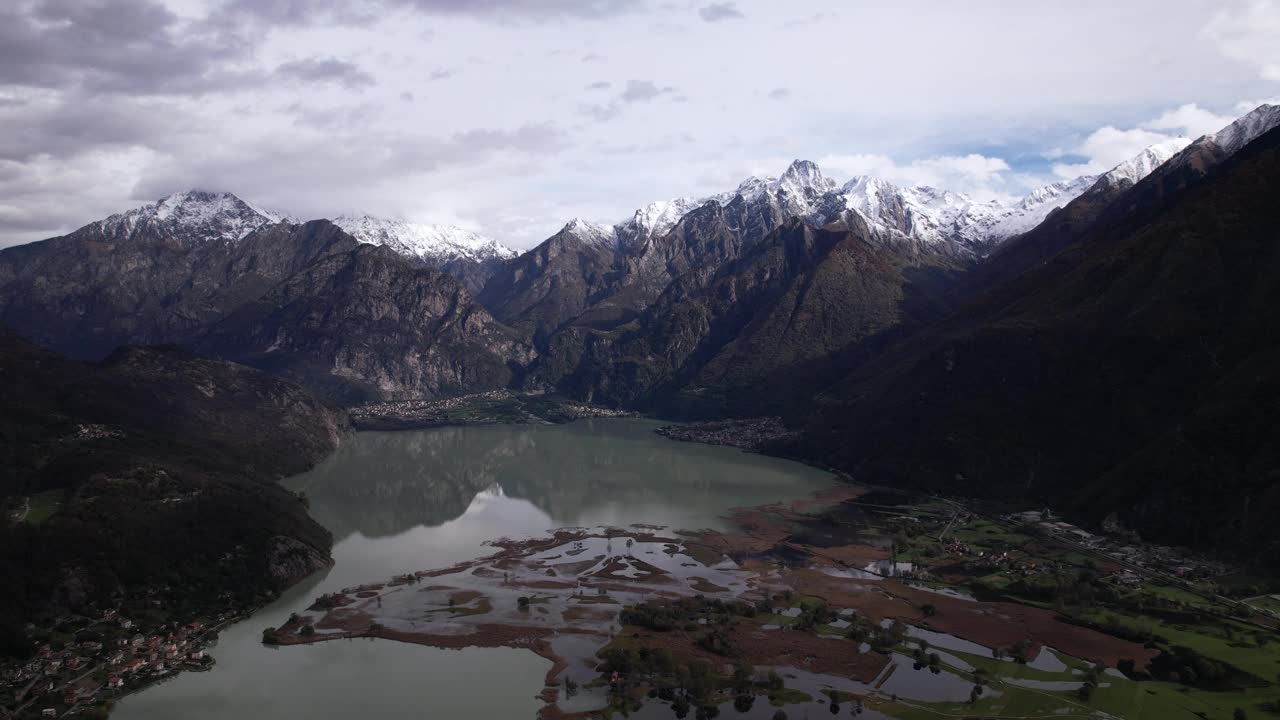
(101, 96)
(124, 46)
(66, 127)
(331, 118)
(719, 12)
(635, 92)
(1190, 120)
(1107, 147)
(1245, 106)
(339, 163)
(318, 70)
(813, 19)
(643, 91)
(440, 74)
(309, 12)
(1250, 34)
(980, 175)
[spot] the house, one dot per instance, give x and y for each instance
(49, 712)
(115, 682)
(126, 623)
(135, 665)
(197, 655)
(1081, 535)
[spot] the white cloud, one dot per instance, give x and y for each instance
(1250, 34)
(1244, 106)
(1107, 147)
(511, 141)
(978, 175)
(1190, 120)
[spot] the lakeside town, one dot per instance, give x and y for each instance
(87, 663)
(486, 408)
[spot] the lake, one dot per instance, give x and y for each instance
(403, 501)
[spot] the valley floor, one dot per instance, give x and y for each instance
(856, 598)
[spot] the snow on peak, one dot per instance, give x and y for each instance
(656, 218)
(1247, 128)
(591, 233)
(1142, 164)
(194, 216)
(803, 176)
(434, 244)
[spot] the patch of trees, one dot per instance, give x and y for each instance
(1186, 666)
(665, 616)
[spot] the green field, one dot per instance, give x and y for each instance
(1269, 603)
(43, 506)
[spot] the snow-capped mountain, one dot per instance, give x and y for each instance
(1247, 128)
(194, 216)
(591, 233)
(918, 213)
(1141, 165)
(433, 244)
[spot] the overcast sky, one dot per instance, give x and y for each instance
(513, 116)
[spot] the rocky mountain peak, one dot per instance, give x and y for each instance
(433, 244)
(804, 176)
(1141, 165)
(192, 217)
(1247, 128)
(591, 233)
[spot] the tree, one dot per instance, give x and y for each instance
(775, 681)
(780, 715)
(929, 609)
(1239, 714)
(1085, 692)
(523, 602)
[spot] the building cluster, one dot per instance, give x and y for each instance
(73, 673)
(1125, 547)
(422, 410)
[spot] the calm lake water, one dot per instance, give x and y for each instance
(404, 501)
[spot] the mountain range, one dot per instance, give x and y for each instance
(1060, 340)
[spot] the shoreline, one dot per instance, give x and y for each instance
(695, 567)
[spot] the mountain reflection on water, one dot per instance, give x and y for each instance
(398, 502)
(603, 471)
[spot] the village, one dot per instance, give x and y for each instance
(1126, 548)
(486, 408)
(88, 663)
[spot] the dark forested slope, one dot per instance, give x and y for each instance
(151, 476)
(1135, 372)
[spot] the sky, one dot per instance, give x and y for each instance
(510, 117)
